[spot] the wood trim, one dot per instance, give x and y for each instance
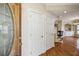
(16, 11)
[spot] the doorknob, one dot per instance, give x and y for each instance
(41, 36)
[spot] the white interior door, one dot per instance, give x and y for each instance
(36, 33)
(49, 29)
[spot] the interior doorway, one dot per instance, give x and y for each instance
(58, 33)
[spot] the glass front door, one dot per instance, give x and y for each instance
(6, 29)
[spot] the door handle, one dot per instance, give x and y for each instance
(41, 36)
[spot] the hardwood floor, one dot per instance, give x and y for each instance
(58, 50)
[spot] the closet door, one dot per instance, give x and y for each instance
(36, 32)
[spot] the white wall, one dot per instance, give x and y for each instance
(26, 25)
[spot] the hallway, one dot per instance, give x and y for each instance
(45, 24)
(39, 28)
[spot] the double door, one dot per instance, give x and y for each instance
(37, 33)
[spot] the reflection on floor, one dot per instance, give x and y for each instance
(58, 50)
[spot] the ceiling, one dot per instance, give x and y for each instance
(58, 9)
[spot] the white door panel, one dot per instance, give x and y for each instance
(36, 33)
(49, 30)
(39, 35)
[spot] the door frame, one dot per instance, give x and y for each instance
(16, 12)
